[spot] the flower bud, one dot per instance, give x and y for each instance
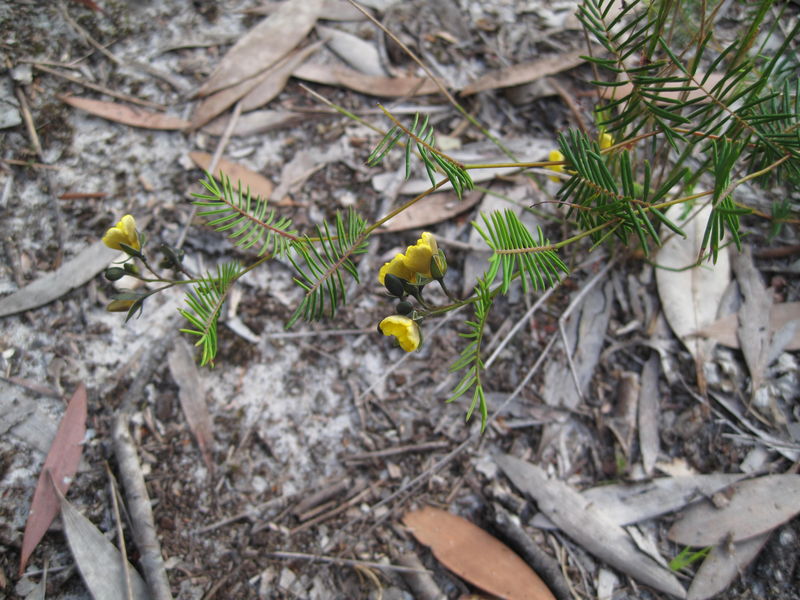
(404, 308)
(173, 257)
(114, 273)
(120, 305)
(394, 285)
(131, 269)
(438, 265)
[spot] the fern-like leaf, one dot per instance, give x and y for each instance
(205, 302)
(246, 220)
(517, 252)
(324, 258)
(470, 358)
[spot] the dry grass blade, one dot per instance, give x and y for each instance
(264, 45)
(476, 556)
(59, 467)
(127, 115)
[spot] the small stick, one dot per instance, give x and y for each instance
(421, 447)
(419, 580)
(332, 489)
(332, 513)
(29, 125)
(346, 561)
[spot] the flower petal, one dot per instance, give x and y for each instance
(396, 267)
(404, 329)
(418, 257)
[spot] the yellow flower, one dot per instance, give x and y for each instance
(418, 257)
(556, 156)
(404, 329)
(123, 232)
(396, 267)
(606, 141)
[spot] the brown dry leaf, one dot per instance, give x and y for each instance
(127, 115)
(476, 556)
(192, 397)
(67, 277)
(432, 209)
(273, 84)
(385, 87)
(620, 91)
(258, 184)
(264, 45)
(755, 506)
(525, 72)
(722, 565)
(781, 316)
(59, 467)
(588, 525)
(258, 121)
(690, 297)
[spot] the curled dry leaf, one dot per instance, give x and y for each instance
(258, 184)
(59, 467)
(476, 556)
(264, 45)
(690, 297)
(755, 506)
(127, 115)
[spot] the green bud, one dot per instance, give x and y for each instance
(115, 273)
(120, 305)
(173, 257)
(438, 265)
(395, 285)
(131, 269)
(404, 308)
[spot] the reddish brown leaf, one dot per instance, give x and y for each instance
(258, 184)
(61, 463)
(127, 115)
(476, 556)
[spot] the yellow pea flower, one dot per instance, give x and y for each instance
(123, 232)
(418, 257)
(556, 156)
(396, 267)
(404, 329)
(606, 141)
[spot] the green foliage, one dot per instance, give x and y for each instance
(687, 556)
(324, 259)
(205, 302)
(470, 358)
(421, 134)
(518, 253)
(248, 221)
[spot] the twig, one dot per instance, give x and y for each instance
(212, 166)
(332, 513)
(28, 118)
(332, 489)
(346, 561)
(419, 580)
(422, 447)
(100, 88)
(251, 512)
(25, 163)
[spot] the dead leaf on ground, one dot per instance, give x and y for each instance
(525, 72)
(258, 184)
(332, 10)
(70, 275)
(99, 562)
(753, 507)
(127, 115)
(620, 91)
(585, 523)
(61, 464)
(754, 330)
(649, 397)
(475, 556)
(264, 45)
(360, 54)
(192, 397)
(690, 297)
(384, 87)
(435, 208)
(782, 316)
(626, 504)
(255, 122)
(723, 564)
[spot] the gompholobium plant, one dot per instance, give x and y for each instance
(686, 119)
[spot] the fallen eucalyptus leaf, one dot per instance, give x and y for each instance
(127, 115)
(258, 184)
